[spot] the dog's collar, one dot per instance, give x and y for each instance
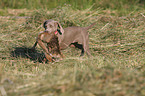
(56, 32)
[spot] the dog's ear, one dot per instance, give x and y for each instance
(44, 24)
(61, 29)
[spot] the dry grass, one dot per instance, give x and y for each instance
(116, 68)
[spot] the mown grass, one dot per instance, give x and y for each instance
(117, 44)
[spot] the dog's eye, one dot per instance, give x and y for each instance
(50, 26)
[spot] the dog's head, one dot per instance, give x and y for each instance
(52, 26)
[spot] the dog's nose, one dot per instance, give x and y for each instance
(46, 30)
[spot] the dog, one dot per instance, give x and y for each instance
(52, 50)
(77, 36)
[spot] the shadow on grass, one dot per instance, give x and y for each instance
(25, 52)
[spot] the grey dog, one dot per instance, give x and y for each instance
(78, 36)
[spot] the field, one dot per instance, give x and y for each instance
(117, 45)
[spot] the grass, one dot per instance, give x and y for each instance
(116, 42)
(122, 7)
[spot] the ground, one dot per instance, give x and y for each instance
(117, 44)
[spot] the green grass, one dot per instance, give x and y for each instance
(117, 44)
(122, 7)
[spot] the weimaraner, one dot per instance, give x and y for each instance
(78, 36)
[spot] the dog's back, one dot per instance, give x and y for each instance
(74, 34)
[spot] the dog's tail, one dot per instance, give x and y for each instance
(90, 26)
